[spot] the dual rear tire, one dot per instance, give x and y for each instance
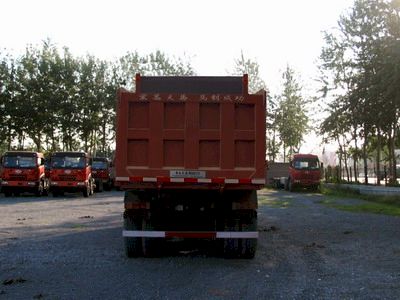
(141, 246)
(241, 221)
(89, 190)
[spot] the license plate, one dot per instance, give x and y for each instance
(187, 174)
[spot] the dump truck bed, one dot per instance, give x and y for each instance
(190, 130)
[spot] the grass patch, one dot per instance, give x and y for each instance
(275, 203)
(78, 226)
(340, 193)
(376, 204)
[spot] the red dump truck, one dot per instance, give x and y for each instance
(23, 171)
(303, 171)
(190, 155)
(71, 172)
(102, 172)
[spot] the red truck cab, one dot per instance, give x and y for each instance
(23, 171)
(102, 173)
(71, 172)
(304, 171)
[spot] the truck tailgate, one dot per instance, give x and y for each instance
(191, 130)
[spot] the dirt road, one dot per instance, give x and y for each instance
(71, 248)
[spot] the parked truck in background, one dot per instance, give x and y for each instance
(102, 172)
(303, 171)
(71, 172)
(190, 155)
(23, 171)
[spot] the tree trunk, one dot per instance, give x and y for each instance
(85, 139)
(393, 179)
(355, 158)
(378, 159)
(346, 166)
(103, 144)
(53, 140)
(340, 163)
(38, 142)
(9, 137)
(284, 152)
(274, 150)
(21, 141)
(365, 158)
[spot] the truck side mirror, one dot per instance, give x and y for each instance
(322, 166)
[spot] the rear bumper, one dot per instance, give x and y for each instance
(192, 234)
(127, 183)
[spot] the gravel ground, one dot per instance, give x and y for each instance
(71, 248)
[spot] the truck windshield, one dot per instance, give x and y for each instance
(19, 162)
(306, 164)
(67, 162)
(99, 165)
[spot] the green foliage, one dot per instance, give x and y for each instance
(153, 64)
(291, 119)
(273, 141)
(387, 205)
(360, 73)
(332, 174)
(368, 207)
(250, 67)
(51, 100)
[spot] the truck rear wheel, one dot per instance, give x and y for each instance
(86, 191)
(107, 186)
(240, 221)
(290, 185)
(46, 187)
(92, 186)
(40, 188)
(99, 186)
(151, 247)
(249, 245)
(133, 245)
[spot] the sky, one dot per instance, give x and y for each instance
(211, 33)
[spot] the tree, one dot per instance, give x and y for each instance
(51, 100)
(273, 142)
(153, 64)
(358, 63)
(5, 91)
(292, 119)
(250, 67)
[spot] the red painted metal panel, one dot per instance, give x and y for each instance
(222, 135)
